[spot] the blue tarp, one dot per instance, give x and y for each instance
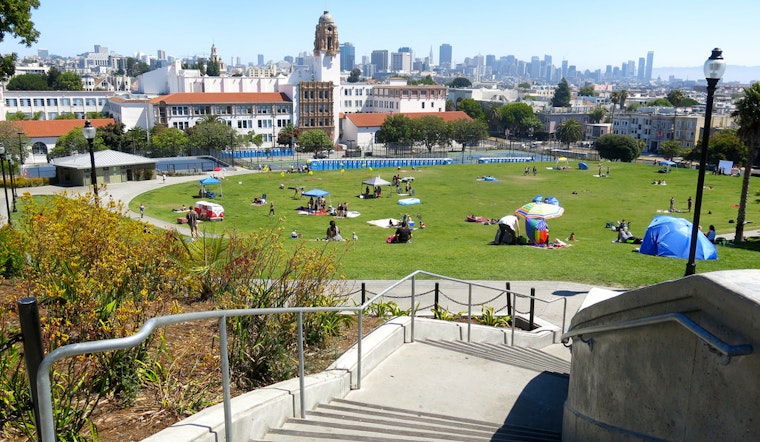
(582, 166)
(671, 236)
(316, 193)
(210, 180)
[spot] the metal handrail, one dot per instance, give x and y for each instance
(43, 381)
(717, 344)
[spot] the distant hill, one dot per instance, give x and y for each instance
(734, 73)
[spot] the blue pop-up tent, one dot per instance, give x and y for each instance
(671, 236)
(209, 181)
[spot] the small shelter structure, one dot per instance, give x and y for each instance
(209, 181)
(671, 236)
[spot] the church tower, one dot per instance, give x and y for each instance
(318, 105)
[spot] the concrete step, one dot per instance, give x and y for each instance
(535, 415)
(342, 420)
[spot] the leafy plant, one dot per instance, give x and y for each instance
(444, 315)
(489, 317)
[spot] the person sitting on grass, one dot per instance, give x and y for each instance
(403, 234)
(333, 232)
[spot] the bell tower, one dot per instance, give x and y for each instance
(326, 36)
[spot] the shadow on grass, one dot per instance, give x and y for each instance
(752, 243)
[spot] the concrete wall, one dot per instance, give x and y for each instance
(660, 381)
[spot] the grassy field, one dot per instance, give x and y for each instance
(450, 246)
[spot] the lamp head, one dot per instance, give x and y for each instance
(715, 66)
(88, 131)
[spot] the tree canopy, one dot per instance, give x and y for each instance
(520, 119)
(671, 149)
(618, 147)
(472, 108)
(597, 115)
(570, 131)
(314, 140)
(587, 91)
(747, 115)
(467, 132)
(354, 76)
(16, 20)
(562, 95)
(460, 82)
(211, 134)
(287, 135)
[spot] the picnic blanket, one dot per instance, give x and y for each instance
(385, 222)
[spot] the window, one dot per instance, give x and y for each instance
(423, 105)
(223, 110)
(11, 102)
(260, 109)
(52, 102)
(102, 101)
(78, 102)
(65, 101)
(26, 102)
(359, 92)
(39, 102)
(91, 102)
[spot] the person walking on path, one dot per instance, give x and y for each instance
(271, 209)
(192, 222)
(142, 211)
(672, 205)
(688, 203)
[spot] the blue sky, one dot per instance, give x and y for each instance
(588, 33)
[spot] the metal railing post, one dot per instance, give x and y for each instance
(509, 300)
(225, 367)
(29, 317)
(301, 382)
(469, 312)
(513, 297)
(411, 327)
(359, 350)
(437, 293)
(532, 308)
(364, 292)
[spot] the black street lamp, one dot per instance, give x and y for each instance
(5, 187)
(714, 68)
(89, 134)
(13, 185)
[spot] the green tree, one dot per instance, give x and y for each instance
(747, 115)
(671, 149)
(112, 135)
(168, 142)
(354, 76)
(460, 82)
(523, 85)
(676, 98)
(16, 116)
(430, 131)
(134, 67)
(213, 69)
(16, 21)
(562, 95)
(314, 140)
(618, 147)
(136, 140)
(287, 135)
(66, 116)
(396, 130)
(27, 82)
(468, 132)
(494, 119)
(74, 142)
(520, 119)
(68, 81)
(660, 102)
(210, 133)
(52, 76)
(587, 91)
(450, 105)
(570, 131)
(597, 115)
(472, 108)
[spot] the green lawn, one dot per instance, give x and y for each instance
(453, 247)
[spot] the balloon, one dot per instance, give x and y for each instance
(342, 170)
(370, 169)
(311, 173)
(282, 173)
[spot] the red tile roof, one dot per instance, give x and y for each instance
(377, 120)
(222, 97)
(55, 128)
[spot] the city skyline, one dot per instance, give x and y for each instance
(617, 34)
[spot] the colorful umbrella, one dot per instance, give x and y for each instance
(540, 210)
(537, 231)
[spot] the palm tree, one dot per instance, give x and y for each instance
(569, 131)
(747, 116)
(676, 99)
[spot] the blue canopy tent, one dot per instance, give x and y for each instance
(582, 166)
(209, 181)
(316, 193)
(671, 236)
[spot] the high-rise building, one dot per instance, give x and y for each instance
(401, 62)
(444, 55)
(379, 58)
(650, 59)
(535, 67)
(43, 53)
(261, 60)
(161, 54)
(347, 56)
(430, 59)
(564, 69)
(641, 72)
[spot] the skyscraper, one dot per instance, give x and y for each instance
(444, 55)
(261, 60)
(347, 56)
(641, 70)
(380, 60)
(650, 59)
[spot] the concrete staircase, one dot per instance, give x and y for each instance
(535, 414)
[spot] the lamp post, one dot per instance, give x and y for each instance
(89, 134)
(714, 68)
(5, 188)
(13, 186)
